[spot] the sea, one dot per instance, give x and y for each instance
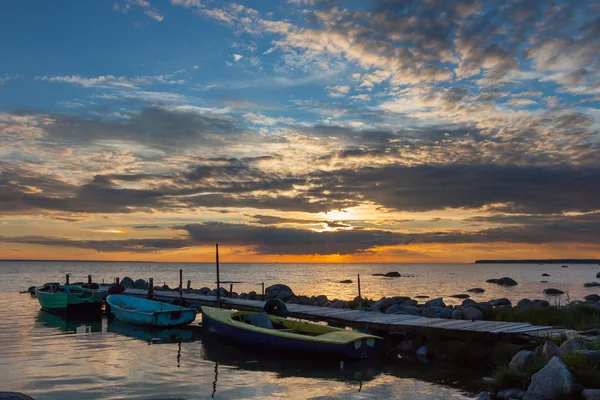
(48, 357)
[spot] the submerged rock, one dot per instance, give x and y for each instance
(554, 381)
(545, 274)
(460, 296)
(552, 291)
(393, 274)
(421, 297)
(500, 302)
(14, 396)
(476, 290)
(592, 297)
(279, 291)
(505, 281)
(522, 360)
(377, 275)
(591, 284)
(346, 281)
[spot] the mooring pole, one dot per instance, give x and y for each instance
(89, 278)
(117, 281)
(359, 295)
(150, 287)
(218, 278)
(230, 289)
(263, 290)
(189, 285)
(67, 278)
(180, 283)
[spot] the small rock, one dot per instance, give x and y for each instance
(572, 345)
(590, 394)
(552, 291)
(591, 284)
(514, 393)
(592, 297)
(545, 274)
(554, 381)
(346, 281)
(421, 297)
(435, 303)
(543, 281)
(394, 274)
(472, 313)
(460, 296)
(483, 396)
(476, 290)
(550, 350)
(564, 266)
(127, 282)
(422, 351)
(457, 314)
(522, 360)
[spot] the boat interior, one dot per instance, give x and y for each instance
(57, 288)
(266, 321)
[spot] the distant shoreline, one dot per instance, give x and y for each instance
(550, 261)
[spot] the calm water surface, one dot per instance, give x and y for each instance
(48, 357)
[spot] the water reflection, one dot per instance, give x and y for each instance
(153, 335)
(69, 325)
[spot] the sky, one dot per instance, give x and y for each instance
(300, 131)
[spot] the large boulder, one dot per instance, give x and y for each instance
(469, 303)
(140, 284)
(472, 313)
(437, 312)
(591, 284)
(505, 281)
(435, 303)
(401, 309)
(127, 282)
(554, 381)
(204, 290)
(592, 297)
(476, 290)
(598, 275)
(457, 314)
(524, 303)
(586, 394)
(500, 302)
(522, 360)
(279, 291)
(540, 303)
(393, 274)
(592, 356)
(572, 345)
(550, 350)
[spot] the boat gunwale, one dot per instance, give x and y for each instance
(288, 335)
(141, 312)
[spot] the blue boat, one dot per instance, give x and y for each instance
(261, 330)
(136, 310)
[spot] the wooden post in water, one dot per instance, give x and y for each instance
(359, 295)
(181, 283)
(150, 287)
(117, 281)
(218, 278)
(263, 291)
(67, 278)
(89, 278)
(189, 285)
(230, 289)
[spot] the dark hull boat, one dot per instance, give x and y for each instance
(69, 300)
(260, 330)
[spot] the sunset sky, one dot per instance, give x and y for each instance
(300, 130)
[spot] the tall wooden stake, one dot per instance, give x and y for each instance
(181, 283)
(359, 295)
(218, 278)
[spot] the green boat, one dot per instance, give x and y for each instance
(69, 299)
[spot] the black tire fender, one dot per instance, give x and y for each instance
(276, 307)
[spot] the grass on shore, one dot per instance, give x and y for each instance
(586, 373)
(579, 317)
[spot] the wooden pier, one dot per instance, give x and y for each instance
(387, 323)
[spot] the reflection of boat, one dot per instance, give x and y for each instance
(69, 325)
(68, 299)
(271, 332)
(149, 312)
(242, 357)
(150, 334)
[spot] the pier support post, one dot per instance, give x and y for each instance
(150, 287)
(117, 281)
(263, 291)
(67, 279)
(180, 283)
(89, 278)
(359, 295)
(230, 289)
(218, 278)
(189, 285)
